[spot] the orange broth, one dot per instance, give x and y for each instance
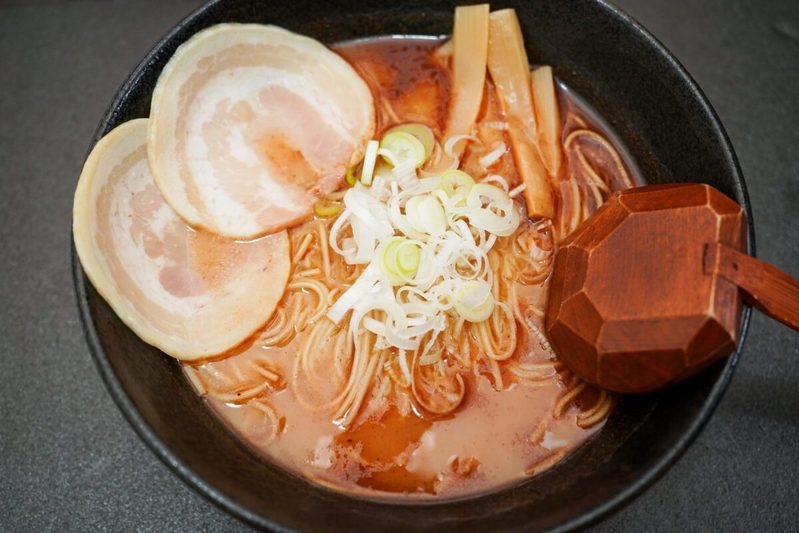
(494, 438)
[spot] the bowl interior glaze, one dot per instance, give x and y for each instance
(670, 130)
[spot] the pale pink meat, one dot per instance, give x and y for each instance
(251, 124)
(191, 293)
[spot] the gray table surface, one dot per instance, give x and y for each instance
(69, 460)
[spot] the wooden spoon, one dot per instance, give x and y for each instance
(648, 290)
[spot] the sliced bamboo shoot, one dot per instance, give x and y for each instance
(469, 52)
(510, 70)
(547, 115)
(443, 53)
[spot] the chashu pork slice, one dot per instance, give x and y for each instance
(250, 124)
(192, 294)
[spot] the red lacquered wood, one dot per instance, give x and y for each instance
(764, 286)
(631, 308)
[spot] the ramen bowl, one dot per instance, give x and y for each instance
(671, 132)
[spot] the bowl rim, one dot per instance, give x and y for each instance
(610, 505)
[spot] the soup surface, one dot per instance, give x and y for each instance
(472, 421)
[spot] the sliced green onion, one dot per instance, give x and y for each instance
(412, 212)
(399, 146)
(465, 297)
(408, 257)
(431, 216)
(351, 176)
(383, 170)
(453, 181)
(479, 313)
(421, 132)
(399, 259)
(326, 208)
(369, 160)
(388, 260)
(489, 192)
(491, 209)
(426, 249)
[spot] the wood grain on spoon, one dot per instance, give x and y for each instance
(648, 291)
(765, 287)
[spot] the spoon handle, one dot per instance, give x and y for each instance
(764, 286)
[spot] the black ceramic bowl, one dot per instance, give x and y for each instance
(671, 131)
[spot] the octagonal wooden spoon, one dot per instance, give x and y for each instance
(648, 291)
